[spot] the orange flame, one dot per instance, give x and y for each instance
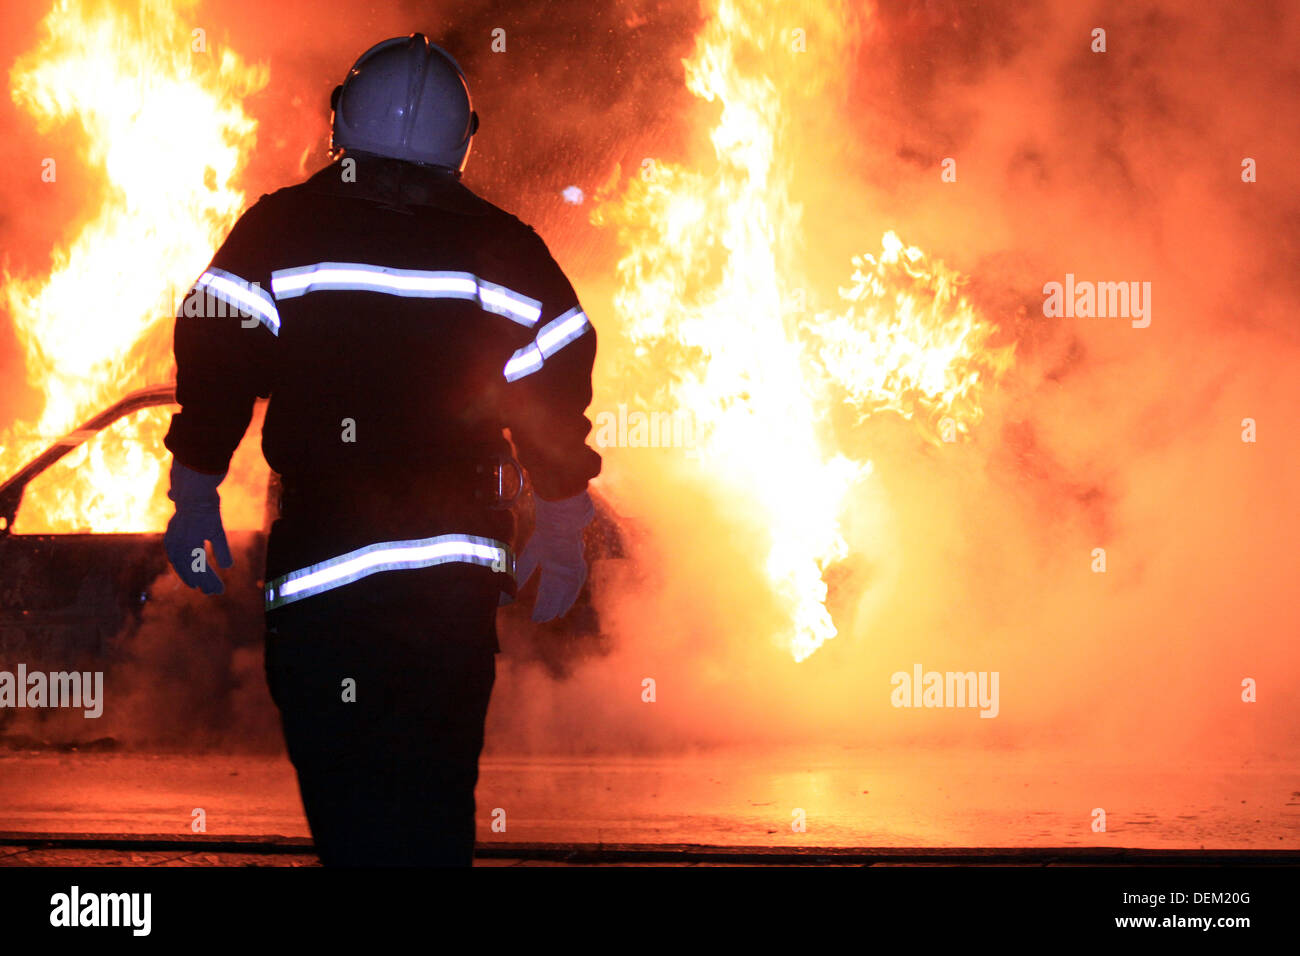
(710, 295)
(164, 123)
(910, 343)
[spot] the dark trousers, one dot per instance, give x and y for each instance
(383, 689)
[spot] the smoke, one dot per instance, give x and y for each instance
(1115, 166)
(186, 674)
(190, 673)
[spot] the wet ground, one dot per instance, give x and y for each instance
(132, 852)
(842, 798)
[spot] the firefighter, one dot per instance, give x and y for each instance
(398, 324)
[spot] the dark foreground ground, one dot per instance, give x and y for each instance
(146, 850)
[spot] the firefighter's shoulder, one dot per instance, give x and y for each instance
(527, 240)
(278, 198)
(264, 207)
(508, 225)
(514, 239)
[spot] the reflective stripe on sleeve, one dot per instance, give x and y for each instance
(388, 556)
(552, 337)
(411, 283)
(248, 297)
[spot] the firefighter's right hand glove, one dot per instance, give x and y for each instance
(197, 520)
(556, 548)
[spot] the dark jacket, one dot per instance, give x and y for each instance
(407, 312)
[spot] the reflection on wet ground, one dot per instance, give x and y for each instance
(833, 798)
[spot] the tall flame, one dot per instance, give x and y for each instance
(163, 122)
(711, 295)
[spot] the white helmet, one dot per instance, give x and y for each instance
(405, 98)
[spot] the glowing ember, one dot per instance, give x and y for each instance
(909, 343)
(165, 125)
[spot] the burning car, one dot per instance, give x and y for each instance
(81, 588)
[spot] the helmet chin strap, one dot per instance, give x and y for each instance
(473, 128)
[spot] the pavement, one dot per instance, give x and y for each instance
(835, 806)
(149, 850)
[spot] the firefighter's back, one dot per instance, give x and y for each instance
(400, 296)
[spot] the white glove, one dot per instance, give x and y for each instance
(556, 547)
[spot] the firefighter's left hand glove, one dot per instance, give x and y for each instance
(556, 548)
(197, 519)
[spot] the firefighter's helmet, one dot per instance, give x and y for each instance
(405, 98)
